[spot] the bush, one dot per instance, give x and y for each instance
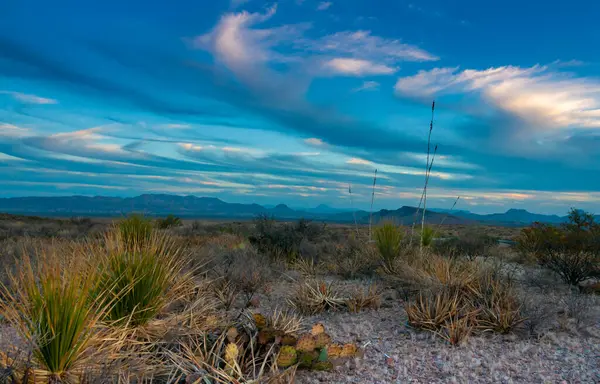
(170, 221)
(471, 245)
(283, 240)
(388, 238)
(572, 251)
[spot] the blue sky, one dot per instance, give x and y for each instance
(293, 101)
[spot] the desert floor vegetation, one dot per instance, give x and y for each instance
(135, 299)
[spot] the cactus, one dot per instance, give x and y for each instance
(260, 320)
(287, 357)
(231, 353)
(322, 340)
(334, 350)
(306, 343)
(322, 366)
(349, 350)
(232, 334)
(266, 336)
(317, 329)
(306, 359)
(289, 340)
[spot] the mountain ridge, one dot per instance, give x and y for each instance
(213, 207)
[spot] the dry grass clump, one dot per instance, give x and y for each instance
(316, 296)
(364, 298)
(462, 297)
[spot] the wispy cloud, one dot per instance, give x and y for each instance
(324, 5)
(367, 86)
(536, 94)
(29, 99)
(358, 67)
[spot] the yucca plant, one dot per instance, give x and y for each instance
(51, 303)
(388, 238)
(141, 279)
(427, 236)
(135, 230)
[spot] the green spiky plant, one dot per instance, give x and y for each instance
(388, 238)
(135, 230)
(52, 305)
(427, 236)
(140, 278)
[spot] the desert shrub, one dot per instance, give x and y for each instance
(171, 221)
(352, 259)
(141, 280)
(241, 266)
(316, 296)
(573, 267)
(470, 245)
(283, 240)
(135, 230)
(51, 304)
(572, 251)
(388, 238)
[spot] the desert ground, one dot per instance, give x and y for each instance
(299, 302)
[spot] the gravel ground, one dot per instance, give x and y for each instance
(396, 353)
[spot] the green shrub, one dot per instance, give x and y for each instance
(388, 238)
(170, 221)
(572, 251)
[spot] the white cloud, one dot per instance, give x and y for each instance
(544, 98)
(29, 99)
(358, 67)
(244, 48)
(324, 5)
(363, 45)
(367, 86)
(314, 141)
(358, 161)
(10, 130)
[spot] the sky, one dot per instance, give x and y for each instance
(300, 101)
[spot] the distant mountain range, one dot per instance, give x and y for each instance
(211, 207)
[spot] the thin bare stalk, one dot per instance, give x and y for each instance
(428, 172)
(448, 214)
(353, 210)
(427, 175)
(372, 200)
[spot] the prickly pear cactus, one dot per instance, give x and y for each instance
(260, 320)
(322, 340)
(306, 343)
(287, 357)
